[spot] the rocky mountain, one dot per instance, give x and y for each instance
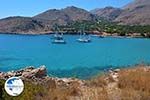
(135, 13)
(42, 23)
(53, 15)
(22, 25)
(66, 15)
(109, 13)
(78, 14)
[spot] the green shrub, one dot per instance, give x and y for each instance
(31, 92)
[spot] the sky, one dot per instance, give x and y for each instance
(30, 8)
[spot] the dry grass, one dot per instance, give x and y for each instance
(135, 84)
(132, 84)
(99, 81)
(62, 92)
(94, 90)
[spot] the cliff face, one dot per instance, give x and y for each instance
(135, 13)
(109, 13)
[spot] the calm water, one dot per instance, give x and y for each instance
(72, 59)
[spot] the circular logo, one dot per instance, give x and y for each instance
(14, 86)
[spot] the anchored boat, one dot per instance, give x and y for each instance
(84, 38)
(58, 39)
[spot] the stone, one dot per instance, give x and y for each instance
(117, 70)
(38, 73)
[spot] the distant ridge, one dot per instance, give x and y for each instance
(42, 23)
(109, 13)
(135, 13)
(19, 24)
(66, 15)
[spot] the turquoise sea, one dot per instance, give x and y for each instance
(73, 59)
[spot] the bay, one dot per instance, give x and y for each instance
(73, 59)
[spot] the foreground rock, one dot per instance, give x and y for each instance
(39, 76)
(28, 72)
(31, 72)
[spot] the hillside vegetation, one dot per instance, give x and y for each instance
(102, 26)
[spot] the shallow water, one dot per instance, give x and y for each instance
(72, 59)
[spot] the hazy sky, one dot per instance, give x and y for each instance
(33, 7)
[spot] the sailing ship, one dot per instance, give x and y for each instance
(58, 37)
(84, 38)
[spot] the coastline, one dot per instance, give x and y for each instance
(104, 34)
(117, 84)
(31, 72)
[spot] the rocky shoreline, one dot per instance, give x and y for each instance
(111, 86)
(39, 76)
(104, 34)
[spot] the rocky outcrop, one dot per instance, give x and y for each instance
(29, 72)
(39, 76)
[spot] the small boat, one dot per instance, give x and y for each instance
(59, 39)
(57, 35)
(59, 42)
(84, 39)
